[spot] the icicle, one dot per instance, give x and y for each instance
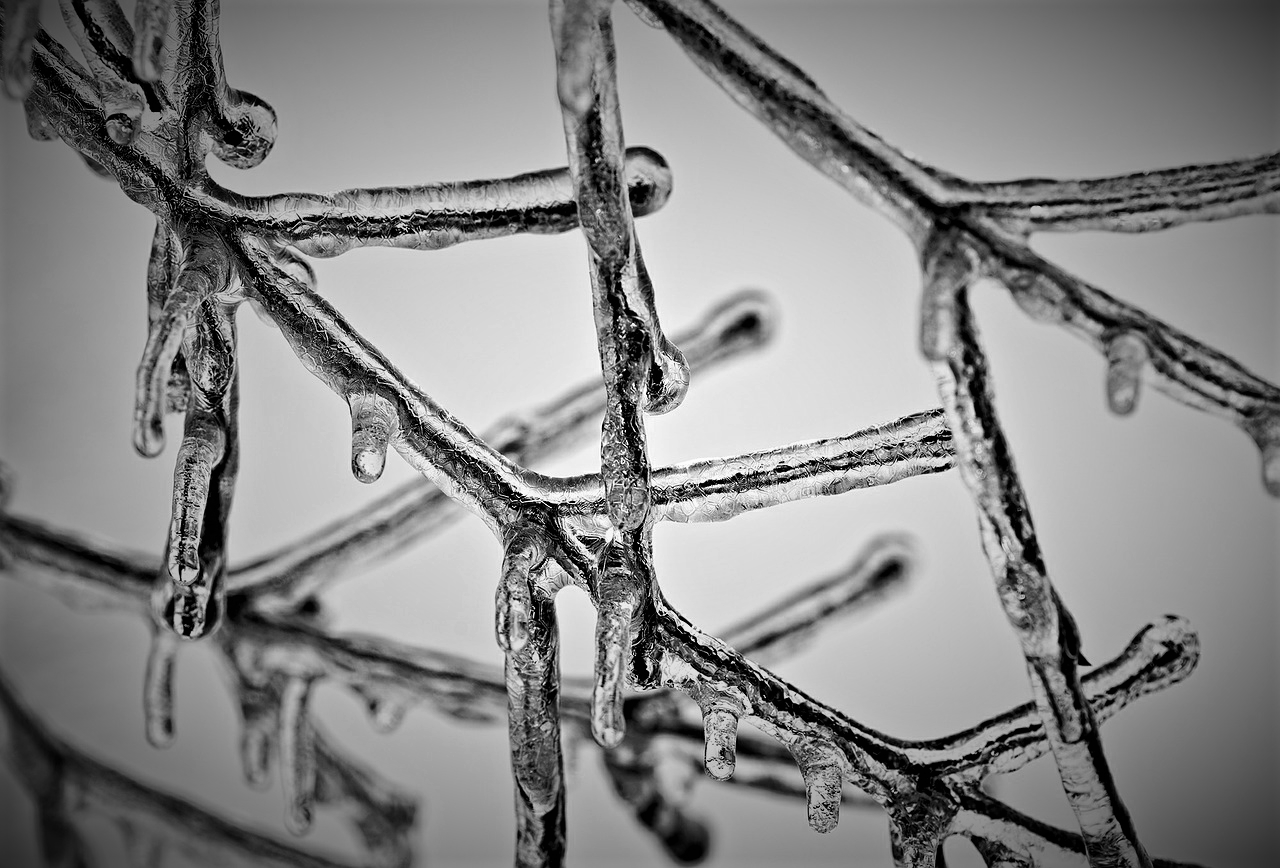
(202, 448)
(22, 23)
(297, 755)
(820, 764)
(201, 277)
(373, 424)
(386, 705)
(720, 731)
(191, 612)
(513, 603)
(150, 24)
(613, 654)
(157, 694)
(1265, 431)
(257, 739)
(1126, 354)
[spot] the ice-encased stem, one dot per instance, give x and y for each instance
(530, 637)
(1047, 633)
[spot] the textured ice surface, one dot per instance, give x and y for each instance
(151, 103)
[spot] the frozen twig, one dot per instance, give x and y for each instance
(664, 736)
(154, 103)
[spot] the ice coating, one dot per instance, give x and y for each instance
(997, 216)
(156, 827)
(213, 248)
(664, 743)
(157, 691)
(104, 37)
(1044, 627)
(720, 732)
(528, 634)
(297, 754)
(823, 783)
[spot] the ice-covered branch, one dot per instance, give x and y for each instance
(1178, 364)
(433, 216)
(281, 579)
(155, 826)
(269, 651)
(996, 216)
(1044, 627)
(466, 468)
(1136, 202)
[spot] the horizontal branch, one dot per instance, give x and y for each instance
(1161, 655)
(1136, 202)
(429, 216)
(428, 437)
(1185, 369)
(411, 512)
(52, 769)
(718, 489)
(798, 112)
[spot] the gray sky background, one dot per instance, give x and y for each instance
(1159, 513)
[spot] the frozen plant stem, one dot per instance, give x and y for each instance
(1045, 629)
(150, 104)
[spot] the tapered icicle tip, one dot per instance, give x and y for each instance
(513, 602)
(1126, 354)
(297, 756)
(720, 731)
(373, 424)
(298, 818)
(148, 434)
(191, 612)
(823, 783)
(613, 653)
(1271, 468)
(157, 694)
(386, 708)
(255, 753)
(668, 378)
(184, 563)
(1265, 431)
(387, 715)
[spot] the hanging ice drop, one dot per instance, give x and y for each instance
(373, 424)
(1126, 354)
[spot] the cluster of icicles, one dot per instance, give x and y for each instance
(151, 103)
